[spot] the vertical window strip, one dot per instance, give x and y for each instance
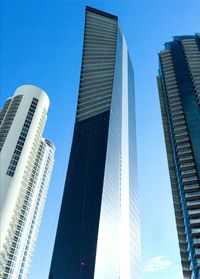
(4, 110)
(98, 54)
(8, 117)
(22, 138)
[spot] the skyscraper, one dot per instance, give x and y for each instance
(26, 166)
(98, 230)
(179, 90)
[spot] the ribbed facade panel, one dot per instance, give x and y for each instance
(4, 110)
(98, 63)
(8, 113)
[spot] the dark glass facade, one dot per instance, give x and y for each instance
(97, 211)
(179, 89)
(76, 239)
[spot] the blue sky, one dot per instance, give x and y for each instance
(41, 44)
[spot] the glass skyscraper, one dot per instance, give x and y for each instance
(98, 234)
(179, 90)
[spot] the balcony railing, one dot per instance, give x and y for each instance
(197, 252)
(193, 204)
(194, 212)
(184, 152)
(186, 166)
(195, 231)
(192, 196)
(196, 241)
(187, 173)
(191, 188)
(195, 222)
(190, 180)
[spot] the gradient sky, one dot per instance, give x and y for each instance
(41, 44)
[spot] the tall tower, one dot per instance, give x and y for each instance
(179, 90)
(98, 230)
(26, 167)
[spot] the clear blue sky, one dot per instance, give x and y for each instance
(41, 44)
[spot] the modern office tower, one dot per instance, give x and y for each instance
(26, 166)
(98, 230)
(179, 90)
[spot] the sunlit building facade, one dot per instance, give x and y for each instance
(179, 90)
(26, 166)
(98, 234)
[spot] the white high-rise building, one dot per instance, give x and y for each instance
(26, 162)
